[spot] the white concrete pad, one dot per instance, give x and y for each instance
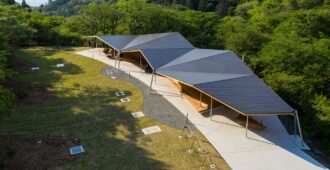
(35, 68)
(59, 65)
(124, 100)
(120, 93)
(271, 148)
(150, 130)
(76, 150)
(137, 114)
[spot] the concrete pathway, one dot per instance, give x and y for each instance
(269, 149)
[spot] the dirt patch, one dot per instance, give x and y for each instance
(21, 65)
(30, 153)
(30, 93)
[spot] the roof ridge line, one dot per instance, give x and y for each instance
(168, 48)
(164, 35)
(195, 59)
(248, 75)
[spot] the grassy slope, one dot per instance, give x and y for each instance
(84, 106)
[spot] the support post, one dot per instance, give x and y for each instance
(200, 98)
(211, 109)
(152, 78)
(141, 63)
(96, 43)
(155, 78)
(299, 128)
(99, 47)
(117, 59)
(247, 125)
(295, 125)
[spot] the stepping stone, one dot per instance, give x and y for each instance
(150, 130)
(124, 100)
(76, 150)
(35, 68)
(59, 65)
(120, 93)
(137, 114)
(113, 77)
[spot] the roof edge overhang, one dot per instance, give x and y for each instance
(107, 43)
(222, 102)
(228, 105)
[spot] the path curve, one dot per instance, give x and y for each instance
(154, 105)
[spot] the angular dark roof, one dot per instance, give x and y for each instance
(248, 94)
(117, 41)
(148, 41)
(219, 73)
(159, 57)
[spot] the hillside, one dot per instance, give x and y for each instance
(66, 7)
(72, 7)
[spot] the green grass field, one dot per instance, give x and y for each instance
(84, 106)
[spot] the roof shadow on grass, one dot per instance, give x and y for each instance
(46, 60)
(91, 113)
(154, 104)
(105, 128)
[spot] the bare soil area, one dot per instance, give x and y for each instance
(30, 93)
(36, 153)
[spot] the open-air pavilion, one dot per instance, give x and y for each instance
(223, 97)
(211, 78)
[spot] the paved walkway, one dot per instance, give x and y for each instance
(269, 149)
(155, 106)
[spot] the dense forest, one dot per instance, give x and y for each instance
(285, 42)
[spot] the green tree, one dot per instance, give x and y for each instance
(8, 2)
(97, 19)
(25, 5)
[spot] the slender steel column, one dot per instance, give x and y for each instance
(211, 109)
(152, 78)
(295, 125)
(247, 125)
(141, 64)
(299, 128)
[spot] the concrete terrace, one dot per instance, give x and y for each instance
(272, 148)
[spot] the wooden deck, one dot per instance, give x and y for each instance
(192, 96)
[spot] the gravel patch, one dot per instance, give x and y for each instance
(155, 105)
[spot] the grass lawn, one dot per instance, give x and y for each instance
(84, 106)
